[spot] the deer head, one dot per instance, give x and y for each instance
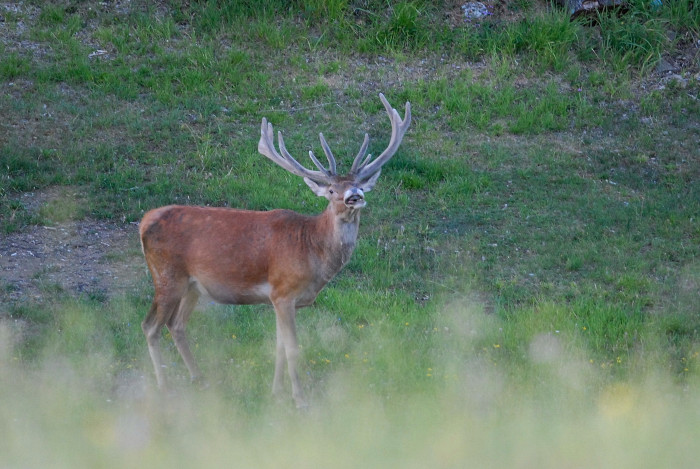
(325, 182)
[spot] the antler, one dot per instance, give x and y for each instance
(287, 161)
(366, 170)
(363, 170)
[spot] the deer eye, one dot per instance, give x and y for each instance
(331, 191)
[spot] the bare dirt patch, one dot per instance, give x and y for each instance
(86, 257)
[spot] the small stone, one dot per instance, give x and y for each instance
(664, 66)
(676, 80)
(475, 10)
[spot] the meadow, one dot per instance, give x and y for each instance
(525, 288)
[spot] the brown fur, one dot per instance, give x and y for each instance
(241, 257)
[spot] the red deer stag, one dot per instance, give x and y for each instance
(248, 257)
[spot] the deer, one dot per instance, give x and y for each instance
(277, 257)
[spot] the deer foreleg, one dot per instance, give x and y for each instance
(288, 347)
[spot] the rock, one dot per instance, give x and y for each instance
(577, 8)
(664, 66)
(676, 80)
(475, 10)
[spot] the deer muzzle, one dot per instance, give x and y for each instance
(354, 198)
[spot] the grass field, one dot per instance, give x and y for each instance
(525, 288)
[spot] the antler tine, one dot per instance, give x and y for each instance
(267, 148)
(329, 155)
(285, 154)
(398, 129)
(318, 164)
(360, 155)
(318, 176)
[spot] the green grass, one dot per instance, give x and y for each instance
(525, 283)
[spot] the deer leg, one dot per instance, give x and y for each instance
(280, 361)
(287, 343)
(152, 326)
(176, 325)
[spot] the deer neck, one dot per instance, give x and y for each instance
(341, 230)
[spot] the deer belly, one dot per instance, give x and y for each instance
(234, 294)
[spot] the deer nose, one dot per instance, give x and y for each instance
(354, 197)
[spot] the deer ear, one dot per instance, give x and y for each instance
(319, 189)
(368, 185)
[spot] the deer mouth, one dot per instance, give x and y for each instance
(354, 198)
(355, 201)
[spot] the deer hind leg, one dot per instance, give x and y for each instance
(152, 326)
(280, 362)
(176, 325)
(287, 347)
